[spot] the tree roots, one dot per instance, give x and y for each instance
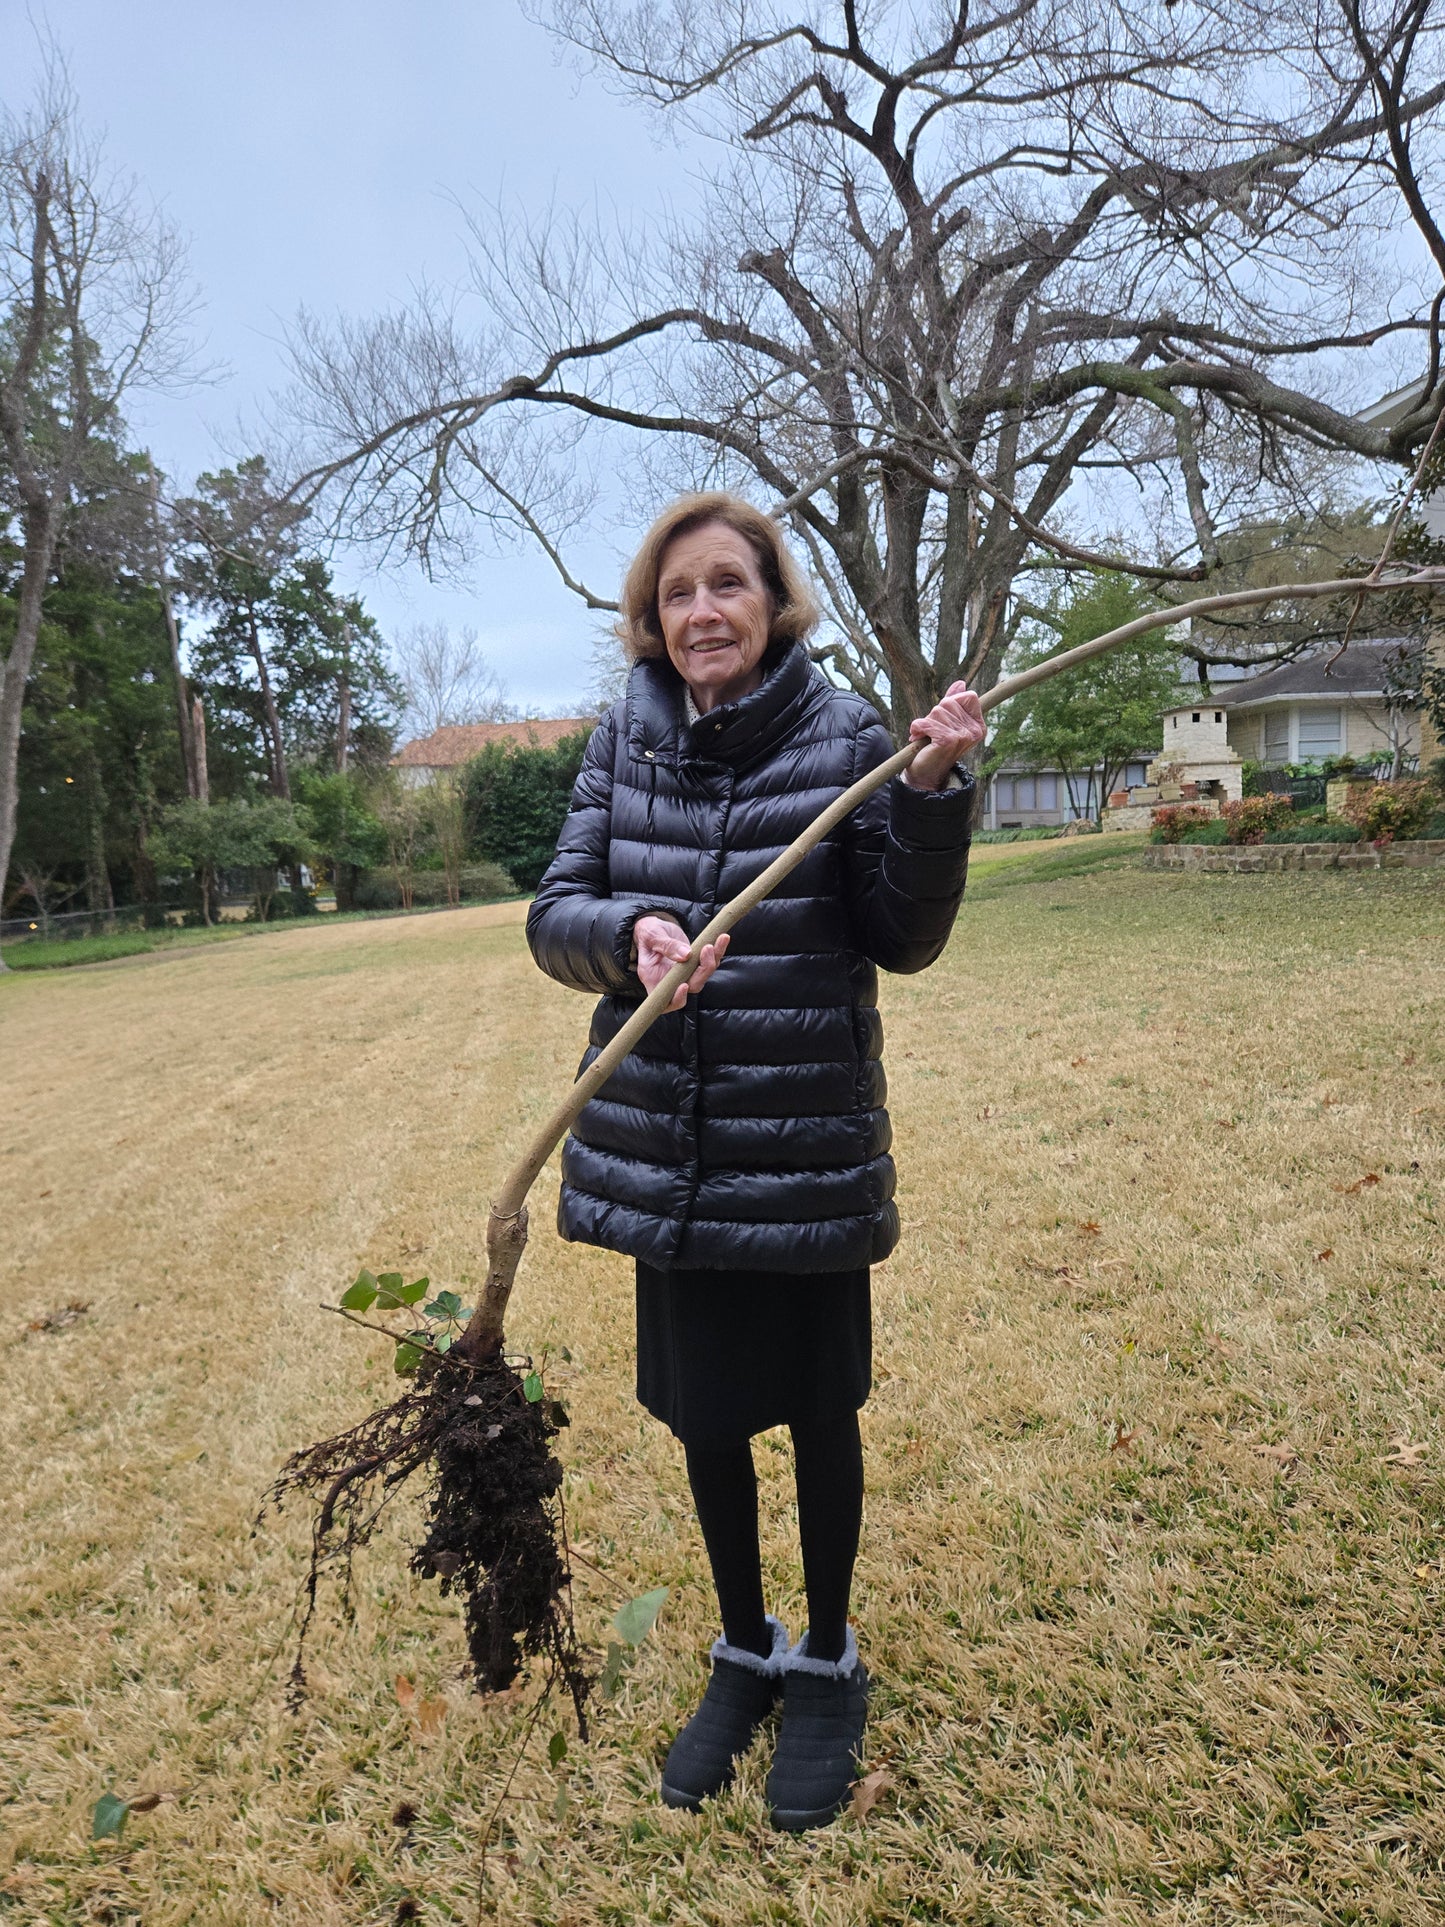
(495, 1534)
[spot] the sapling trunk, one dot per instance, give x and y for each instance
(473, 1426)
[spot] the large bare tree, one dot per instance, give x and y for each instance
(963, 262)
(93, 303)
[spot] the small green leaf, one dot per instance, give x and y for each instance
(557, 1748)
(107, 1819)
(566, 1355)
(450, 1303)
(444, 1342)
(360, 1296)
(436, 1309)
(389, 1281)
(561, 1804)
(413, 1294)
(408, 1357)
(532, 1387)
(612, 1670)
(636, 1619)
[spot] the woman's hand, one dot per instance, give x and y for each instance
(950, 730)
(661, 943)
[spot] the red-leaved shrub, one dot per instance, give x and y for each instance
(1387, 810)
(1171, 820)
(1251, 819)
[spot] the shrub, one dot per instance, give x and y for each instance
(517, 798)
(1387, 810)
(1215, 831)
(1171, 820)
(1325, 832)
(480, 883)
(1250, 820)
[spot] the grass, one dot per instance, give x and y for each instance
(61, 953)
(1153, 1600)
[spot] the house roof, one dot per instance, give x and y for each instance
(457, 743)
(1322, 676)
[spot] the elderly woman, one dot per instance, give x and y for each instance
(740, 1153)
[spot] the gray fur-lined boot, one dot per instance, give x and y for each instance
(825, 1707)
(741, 1693)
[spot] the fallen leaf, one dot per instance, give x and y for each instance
(148, 1802)
(1281, 1454)
(989, 1110)
(1077, 1063)
(1406, 1453)
(62, 1318)
(1091, 1225)
(430, 1714)
(1225, 1123)
(1328, 1252)
(405, 1692)
(1123, 1441)
(1349, 1190)
(1220, 1345)
(868, 1792)
(1424, 1572)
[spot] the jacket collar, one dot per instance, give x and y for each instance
(740, 733)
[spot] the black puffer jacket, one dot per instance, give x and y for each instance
(747, 1129)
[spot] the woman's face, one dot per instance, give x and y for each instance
(715, 612)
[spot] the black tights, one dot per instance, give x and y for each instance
(828, 1456)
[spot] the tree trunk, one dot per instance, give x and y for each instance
(185, 714)
(280, 779)
(343, 724)
(198, 744)
(40, 525)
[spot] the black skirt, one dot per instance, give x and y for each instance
(724, 1354)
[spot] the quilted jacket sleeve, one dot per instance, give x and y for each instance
(907, 857)
(579, 933)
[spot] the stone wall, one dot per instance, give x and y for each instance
(1251, 858)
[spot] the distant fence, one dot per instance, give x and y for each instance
(1308, 791)
(57, 925)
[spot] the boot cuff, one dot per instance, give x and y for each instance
(798, 1660)
(755, 1662)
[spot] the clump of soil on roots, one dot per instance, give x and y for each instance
(495, 1533)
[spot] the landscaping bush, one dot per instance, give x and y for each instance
(516, 799)
(1215, 831)
(1389, 810)
(1313, 833)
(480, 883)
(1171, 820)
(1253, 817)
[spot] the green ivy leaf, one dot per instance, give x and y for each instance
(108, 1816)
(636, 1619)
(532, 1387)
(450, 1303)
(557, 1748)
(443, 1342)
(413, 1294)
(362, 1295)
(389, 1281)
(408, 1357)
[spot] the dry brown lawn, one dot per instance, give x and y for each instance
(1151, 1591)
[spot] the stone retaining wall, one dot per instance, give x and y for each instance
(1253, 857)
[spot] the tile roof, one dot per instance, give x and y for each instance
(1360, 671)
(457, 743)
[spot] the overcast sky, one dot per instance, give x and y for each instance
(311, 152)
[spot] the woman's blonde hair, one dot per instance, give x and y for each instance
(794, 611)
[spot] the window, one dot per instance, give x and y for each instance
(1320, 733)
(1003, 793)
(1048, 793)
(1194, 716)
(1133, 775)
(1219, 715)
(1023, 792)
(1276, 737)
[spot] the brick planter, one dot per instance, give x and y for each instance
(1254, 858)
